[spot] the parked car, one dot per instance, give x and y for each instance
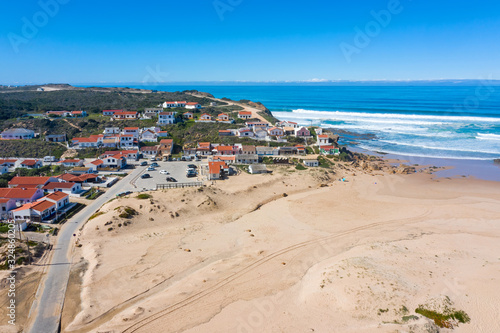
(146, 176)
(164, 172)
(192, 166)
(191, 173)
(153, 159)
(171, 179)
(154, 165)
(151, 168)
(144, 163)
(122, 194)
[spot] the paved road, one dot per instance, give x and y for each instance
(49, 300)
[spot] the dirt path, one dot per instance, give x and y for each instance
(254, 111)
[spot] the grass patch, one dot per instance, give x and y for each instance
(128, 212)
(444, 320)
(300, 167)
(95, 215)
(144, 196)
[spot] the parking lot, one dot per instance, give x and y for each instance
(176, 170)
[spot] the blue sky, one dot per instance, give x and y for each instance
(249, 40)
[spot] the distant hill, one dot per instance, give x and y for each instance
(18, 101)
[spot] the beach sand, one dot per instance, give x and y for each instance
(295, 251)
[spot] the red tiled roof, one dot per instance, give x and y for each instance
(56, 196)
(29, 162)
(215, 167)
(85, 139)
(245, 113)
(54, 185)
(167, 141)
(224, 148)
(112, 111)
(125, 113)
(29, 180)
(131, 128)
(4, 200)
(97, 162)
(323, 136)
(192, 103)
(17, 193)
(41, 206)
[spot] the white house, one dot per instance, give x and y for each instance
(149, 136)
(65, 187)
(245, 132)
(17, 134)
(3, 169)
(176, 104)
(111, 130)
(276, 131)
(311, 163)
(110, 113)
(244, 114)
(131, 131)
(205, 117)
(257, 168)
(323, 140)
(166, 118)
(127, 141)
(71, 163)
(223, 117)
(193, 105)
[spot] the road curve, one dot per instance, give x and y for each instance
(49, 299)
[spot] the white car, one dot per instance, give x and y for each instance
(164, 172)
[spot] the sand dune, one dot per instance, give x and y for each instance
(279, 253)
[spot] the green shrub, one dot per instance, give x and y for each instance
(144, 196)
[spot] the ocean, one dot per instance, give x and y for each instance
(459, 122)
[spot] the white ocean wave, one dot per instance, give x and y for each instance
(493, 137)
(447, 148)
(356, 116)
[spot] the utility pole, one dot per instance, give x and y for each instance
(29, 251)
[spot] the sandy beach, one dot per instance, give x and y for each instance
(295, 251)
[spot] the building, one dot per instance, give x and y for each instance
(9, 163)
(3, 169)
(58, 113)
(149, 136)
(71, 163)
(162, 134)
(55, 138)
(257, 169)
(301, 150)
(153, 110)
(86, 142)
(288, 150)
(128, 141)
(247, 159)
(150, 151)
(193, 105)
(65, 187)
(166, 118)
(115, 162)
(323, 140)
(188, 115)
(248, 150)
(275, 131)
(166, 148)
(215, 170)
(30, 182)
(17, 134)
(110, 113)
(267, 151)
(125, 115)
(329, 150)
(42, 210)
(245, 115)
(111, 130)
(134, 131)
(302, 132)
(205, 117)
(225, 133)
(245, 132)
(257, 124)
(79, 114)
(176, 104)
(10, 198)
(287, 124)
(31, 164)
(226, 150)
(223, 117)
(312, 163)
